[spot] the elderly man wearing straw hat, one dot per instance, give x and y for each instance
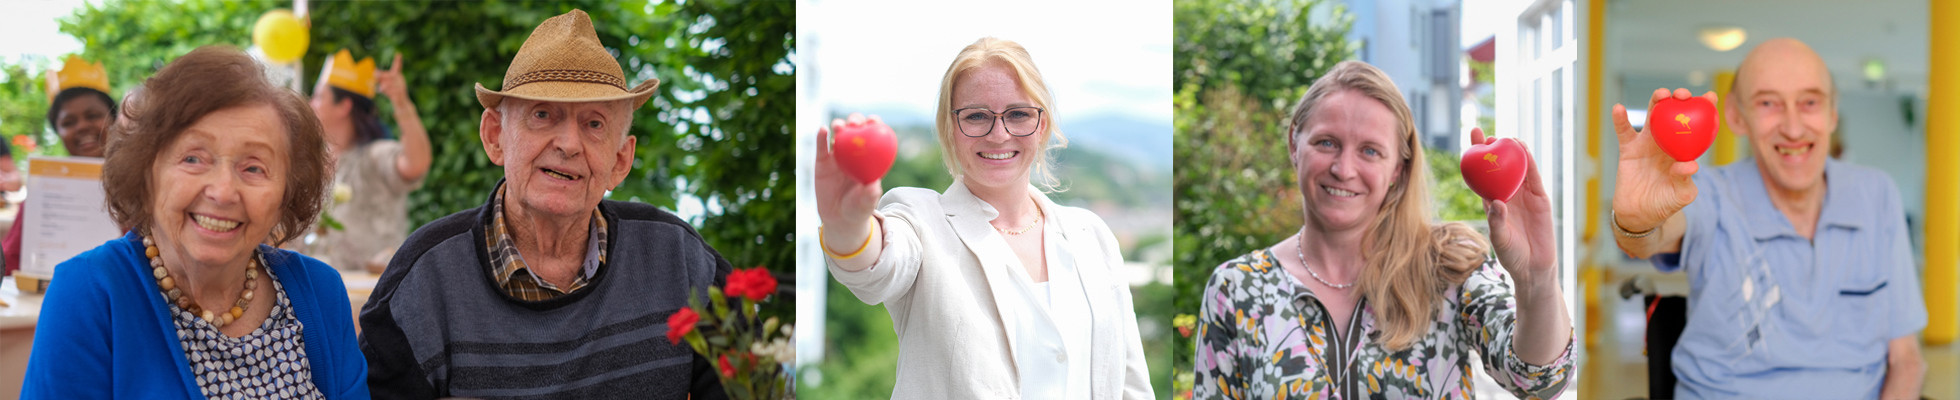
(546, 290)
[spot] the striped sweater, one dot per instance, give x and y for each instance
(437, 325)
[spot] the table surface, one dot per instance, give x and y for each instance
(21, 310)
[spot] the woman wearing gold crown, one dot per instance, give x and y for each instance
(373, 174)
(80, 110)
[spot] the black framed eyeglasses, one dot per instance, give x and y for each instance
(979, 121)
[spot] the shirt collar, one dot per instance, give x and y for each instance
(499, 236)
(1767, 222)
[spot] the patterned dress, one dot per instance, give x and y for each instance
(269, 363)
(1263, 335)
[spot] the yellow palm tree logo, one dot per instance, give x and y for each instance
(1683, 119)
(1492, 158)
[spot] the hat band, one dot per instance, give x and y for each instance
(565, 75)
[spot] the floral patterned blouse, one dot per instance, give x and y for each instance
(1263, 335)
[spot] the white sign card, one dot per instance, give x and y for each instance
(64, 211)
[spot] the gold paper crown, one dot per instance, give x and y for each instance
(76, 73)
(342, 72)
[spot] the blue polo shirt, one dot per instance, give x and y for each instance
(1774, 315)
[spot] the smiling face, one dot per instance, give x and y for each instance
(219, 186)
(83, 123)
(559, 158)
(998, 160)
(1784, 103)
(1346, 158)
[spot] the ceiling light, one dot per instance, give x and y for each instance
(1723, 38)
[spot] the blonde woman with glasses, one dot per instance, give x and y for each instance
(1371, 297)
(996, 291)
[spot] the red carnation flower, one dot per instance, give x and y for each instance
(679, 324)
(727, 370)
(753, 283)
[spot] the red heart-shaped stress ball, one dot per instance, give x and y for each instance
(864, 149)
(1495, 170)
(1683, 128)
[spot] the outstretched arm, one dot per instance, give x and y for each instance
(416, 154)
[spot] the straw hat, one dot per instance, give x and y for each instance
(562, 61)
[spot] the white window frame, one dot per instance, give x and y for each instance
(1539, 91)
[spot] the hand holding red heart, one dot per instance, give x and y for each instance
(1655, 177)
(1521, 228)
(851, 157)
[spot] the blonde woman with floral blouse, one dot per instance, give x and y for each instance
(1371, 299)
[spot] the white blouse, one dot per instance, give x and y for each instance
(1053, 356)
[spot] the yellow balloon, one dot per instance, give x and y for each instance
(280, 35)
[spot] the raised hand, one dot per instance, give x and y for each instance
(1521, 229)
(389, 82)
(1650, 185)
(844, 204)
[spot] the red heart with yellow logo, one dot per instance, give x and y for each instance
(1683, 128)
(864, 149)
(1495, 170)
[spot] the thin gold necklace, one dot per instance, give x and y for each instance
(1017, 232)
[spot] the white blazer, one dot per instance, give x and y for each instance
(943, 275)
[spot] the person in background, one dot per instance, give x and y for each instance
(10, 176)
(373, 174)
(81, 112)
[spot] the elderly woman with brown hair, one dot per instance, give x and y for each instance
(192, 303)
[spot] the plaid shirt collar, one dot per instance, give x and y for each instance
(514, 275)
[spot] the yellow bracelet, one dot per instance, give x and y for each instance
(861, 247)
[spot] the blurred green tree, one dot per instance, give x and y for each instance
(1454, 201)
(715, 138)
(24, 96)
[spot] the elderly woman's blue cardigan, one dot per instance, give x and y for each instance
(104, 330)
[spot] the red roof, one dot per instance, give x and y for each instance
(1484, 51)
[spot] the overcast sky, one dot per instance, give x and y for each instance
(1096, 56)
(29, 28)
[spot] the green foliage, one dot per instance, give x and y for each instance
(1269, 51)
(23, 109)
(1454, 200)
(1240, 66)
(920, 168)
(1153, 327)
(1486, 75)
(860, 350)
(717, 132)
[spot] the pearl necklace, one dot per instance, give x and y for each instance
(1301, 246)
(173, 293)
(1024, 229)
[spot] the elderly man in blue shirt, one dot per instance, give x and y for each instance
(1803, 284)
